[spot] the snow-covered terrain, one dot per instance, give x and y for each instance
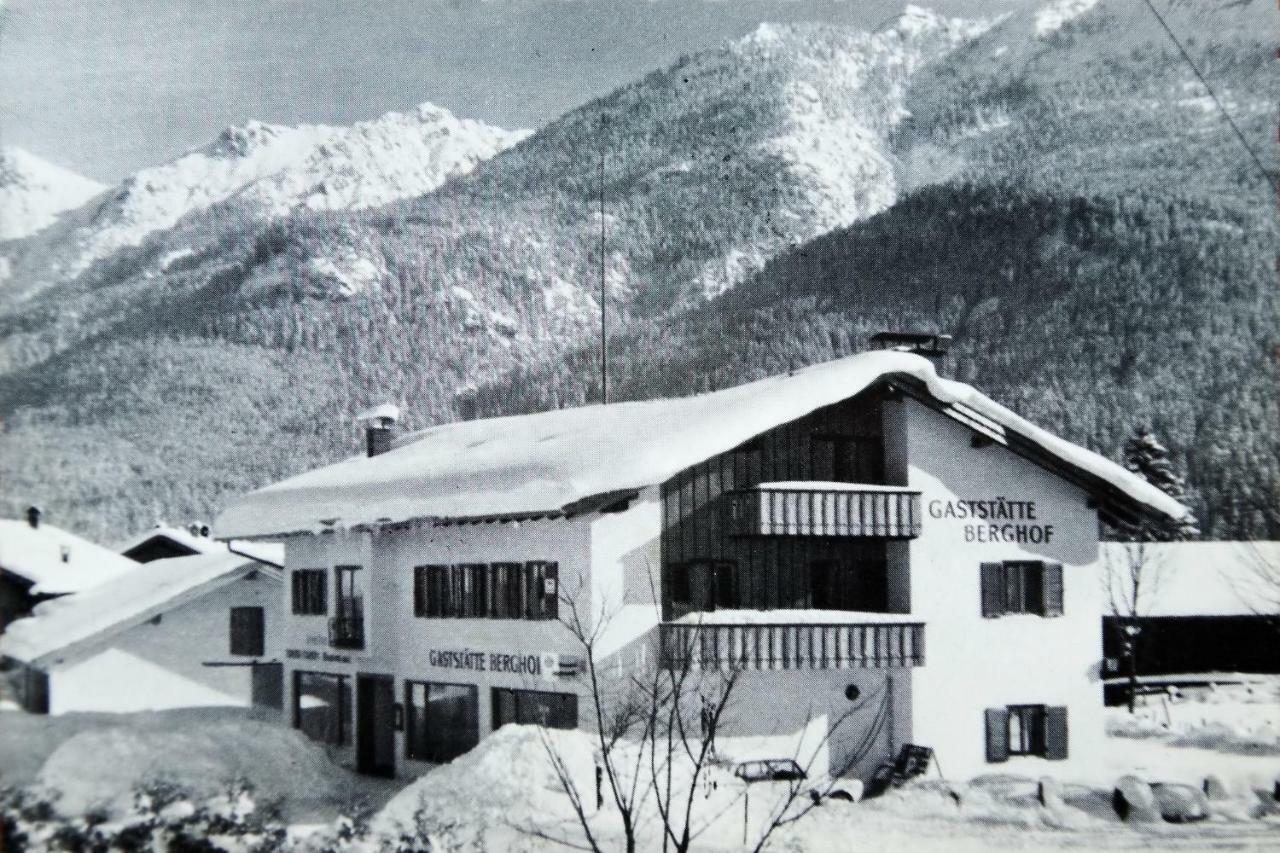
(34, 191)
(273, 169)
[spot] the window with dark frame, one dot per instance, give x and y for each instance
(442, 721)
(322, 706)
(847, 458)
(309, 592)
(534, 707)
(247, 631)
(1021, 586)
(1026, 730)
(504, 590)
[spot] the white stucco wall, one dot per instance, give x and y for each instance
(974, 663)
(160, 664)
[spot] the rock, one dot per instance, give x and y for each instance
(1180, 803)
(1049, 792)
(1215, 788)
(1134, 801)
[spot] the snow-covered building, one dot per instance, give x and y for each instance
(39, 561)
(163, 542)
(199, 630)
(818, 531)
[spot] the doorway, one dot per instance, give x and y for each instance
(375, 725)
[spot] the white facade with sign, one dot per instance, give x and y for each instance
(868, 543)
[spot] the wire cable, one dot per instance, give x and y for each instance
(1213, 95)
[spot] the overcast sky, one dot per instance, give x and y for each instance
(108, 86)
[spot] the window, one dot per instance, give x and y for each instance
(309, 592)
(847, 458)
(442, 720)
(535, 707)
(862, 584)
(488, 591)
(1021, 587)
(322, 706)
(247, 631)
(703, 585)
(1036, 730)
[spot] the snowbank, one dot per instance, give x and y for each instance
(546, 461)
(200, 752)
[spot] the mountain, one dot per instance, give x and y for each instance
(232, 349)
(34, 191)
(264, 171)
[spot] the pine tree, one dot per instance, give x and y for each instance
(1145, 456)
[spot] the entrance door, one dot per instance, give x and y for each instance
(375, 725)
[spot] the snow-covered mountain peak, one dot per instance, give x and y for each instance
(34, 191)
(272, 169)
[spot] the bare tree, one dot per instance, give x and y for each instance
(1260, 587)
(1133, 573)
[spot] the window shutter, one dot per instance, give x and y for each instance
(1055, 738)
(997, 734)
(296, 580)
(992, 589)
(247, 631)
(1051, 590)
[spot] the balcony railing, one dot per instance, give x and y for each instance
(825, 509)
(346, 632)
(792, 646)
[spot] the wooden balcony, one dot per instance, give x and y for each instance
(824, 509)
(791, 646)
(346, 632)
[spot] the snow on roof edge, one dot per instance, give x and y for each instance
(543, 461)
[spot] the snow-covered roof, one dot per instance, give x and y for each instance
(132, 597)
(1202, 578)
(55, 561)
(546, 461)
(271, 553)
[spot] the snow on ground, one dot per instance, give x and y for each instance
(34, 191)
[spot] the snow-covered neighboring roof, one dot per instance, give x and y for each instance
(545, 461)
(1202, 578)
(55, 561)
(57, 624)
(271, 553)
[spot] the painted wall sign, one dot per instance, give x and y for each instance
(505, 662)
(995, 520)
(312, 654)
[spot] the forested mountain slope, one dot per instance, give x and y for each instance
(228, 351)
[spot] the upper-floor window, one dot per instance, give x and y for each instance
(702, 585)
(505, 590)
(1021, 586)
(847, 458)
(247, 631)
(309, 592)
(348, 601)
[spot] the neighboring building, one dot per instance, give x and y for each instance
(1205, 613)
(818, 529)
(39, 561)
(163, 542)
(187, 631)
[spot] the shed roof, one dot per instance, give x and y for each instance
(546, 461)
(131, 598)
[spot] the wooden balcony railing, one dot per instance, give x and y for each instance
(825, 509)
(346, 632)
(792, 646)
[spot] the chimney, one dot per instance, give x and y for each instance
(931, 345)
(378, 423)
(33, 517)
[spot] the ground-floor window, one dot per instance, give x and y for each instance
(322, 706)
(442, 720)
(535, 707)
(1039, 730)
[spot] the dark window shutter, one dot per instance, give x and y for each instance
(247, 631)
(992, 589)
(1051, 589)
(419, 590)
(550, 591)
(1055, 733)
(295, 580)
(997, 734)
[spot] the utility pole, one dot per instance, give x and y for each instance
(604, 330)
